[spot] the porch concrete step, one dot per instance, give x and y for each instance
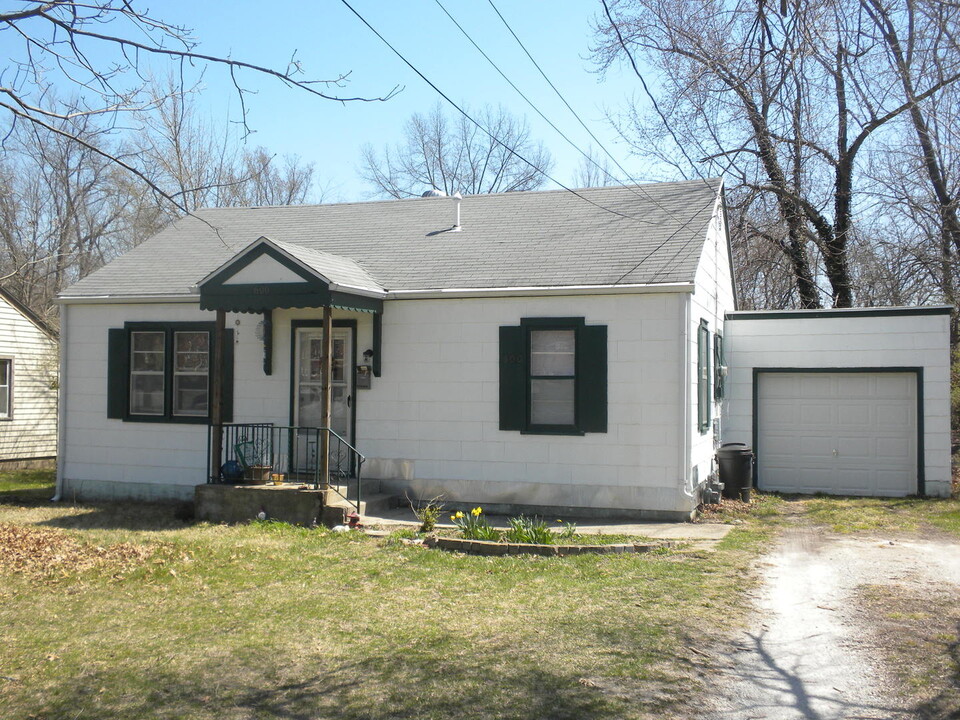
(370, 503)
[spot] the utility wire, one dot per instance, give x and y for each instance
(574, 113)
(518, 155)
(481, 127)
(535, 108)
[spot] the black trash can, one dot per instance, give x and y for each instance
(736, 470)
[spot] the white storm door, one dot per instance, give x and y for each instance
(308, 392)
(842, 433)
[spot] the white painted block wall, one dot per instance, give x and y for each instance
(431, 420)
(869, 339)
(712, 299)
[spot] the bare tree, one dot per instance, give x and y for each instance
(457, 156)
(104, 50)
(783, 99)
(593, 171)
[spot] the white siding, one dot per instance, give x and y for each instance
(866, 340)
(431, 421)
(433, 417)
(32, 430)
(712, 298)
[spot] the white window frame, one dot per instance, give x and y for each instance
(161, 372)
(191, 373)
(6, 408)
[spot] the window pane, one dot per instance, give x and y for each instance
(190, 373)
(4, 372)
(552, 402)
(146, 394)
(147, 353)
(190, 395)
(4, 401)
(192, 349)
(148, 341)
(553, 352)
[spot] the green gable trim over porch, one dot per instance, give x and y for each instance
(302, 286)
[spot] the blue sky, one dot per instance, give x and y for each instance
(330, 40)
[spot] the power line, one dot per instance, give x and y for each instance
(574, 113)
(518, 155)
(532, 105)
(481, 127)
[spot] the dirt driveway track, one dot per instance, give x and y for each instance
(806, 654)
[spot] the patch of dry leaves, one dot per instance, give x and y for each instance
(42, 553)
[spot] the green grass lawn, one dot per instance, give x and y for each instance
(130, 613)
(26, 485)
(888, 514)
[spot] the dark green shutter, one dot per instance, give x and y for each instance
(377, 343)
(718, 364)
(703, 377)
(513, 378)
(592, 380)
(118, 372)
(227, 388)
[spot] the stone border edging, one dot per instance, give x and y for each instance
(489, 547)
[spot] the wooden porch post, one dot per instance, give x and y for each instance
(326, 395)
(216, 393)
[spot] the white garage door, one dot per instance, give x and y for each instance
(845, 433)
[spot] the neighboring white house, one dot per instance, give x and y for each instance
(540, 351)
(28, 385)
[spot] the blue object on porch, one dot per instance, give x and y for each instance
(231, 471)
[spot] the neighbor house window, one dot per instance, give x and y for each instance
(719, 367)
(6, 389)
(553, 376)
(704, 396)
(160, 372)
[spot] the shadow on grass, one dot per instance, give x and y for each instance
(946, 703)
(396, 686)
(27, 495)
(133, 515)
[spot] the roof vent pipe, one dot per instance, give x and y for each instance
(457, 197)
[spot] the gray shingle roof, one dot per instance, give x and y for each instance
(551, 238)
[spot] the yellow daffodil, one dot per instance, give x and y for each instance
(476, 512)
(456, 516)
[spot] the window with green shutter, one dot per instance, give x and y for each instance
(719, 367)
(704, 396)
(160, 372)
(553, 376)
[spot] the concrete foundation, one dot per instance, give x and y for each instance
(243, 503)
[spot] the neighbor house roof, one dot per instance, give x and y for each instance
(643, 234)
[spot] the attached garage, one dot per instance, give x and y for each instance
(842, 432)
(845, 402)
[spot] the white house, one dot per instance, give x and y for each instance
(28, 385)
(545, 351)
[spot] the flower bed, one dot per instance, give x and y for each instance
(492, 547)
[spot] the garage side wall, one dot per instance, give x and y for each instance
(876, 339)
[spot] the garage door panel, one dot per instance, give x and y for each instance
(852, 433)
(816, 413)
(895, 416)
(814, 386)
(813, 446)
(854, 449)
(855, 415)
(853, 386)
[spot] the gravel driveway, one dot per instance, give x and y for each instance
(807, 654)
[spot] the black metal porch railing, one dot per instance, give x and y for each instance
(263, 452)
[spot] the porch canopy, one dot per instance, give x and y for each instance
(268, 275)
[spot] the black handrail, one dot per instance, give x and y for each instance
(259, 452)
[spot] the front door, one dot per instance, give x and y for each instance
(308, 392)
